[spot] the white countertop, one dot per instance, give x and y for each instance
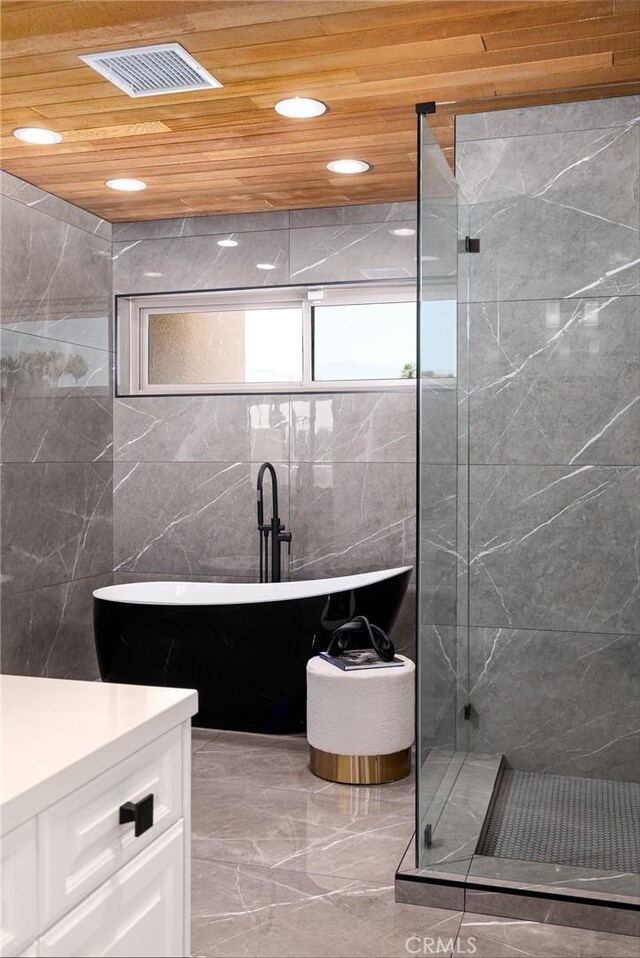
(58, 734)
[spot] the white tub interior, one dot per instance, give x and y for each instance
(237, 593)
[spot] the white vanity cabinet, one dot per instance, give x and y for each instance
(18, 880)
(95, 852)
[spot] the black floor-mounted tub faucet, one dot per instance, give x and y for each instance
(273, 528)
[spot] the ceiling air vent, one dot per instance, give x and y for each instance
(149, 71)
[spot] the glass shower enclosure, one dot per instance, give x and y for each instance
(528, 665)
(442, 490)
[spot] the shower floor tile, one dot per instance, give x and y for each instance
(583, 822)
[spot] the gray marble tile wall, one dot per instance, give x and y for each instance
(324, 245)
(185, 467)
(551, 304)
(56, 419)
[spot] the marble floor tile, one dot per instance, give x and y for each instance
(403, 792)
(256, 762)
(505, 937)
(282, 869)
(281, 762)
(348, 835)
(201, 737)
(240, 910)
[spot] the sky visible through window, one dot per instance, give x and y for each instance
(365, 341)
(273, 345)
(438, 337)
(351, 342)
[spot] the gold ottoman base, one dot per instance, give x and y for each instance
(360, 769)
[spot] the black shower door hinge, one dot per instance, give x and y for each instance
(471, 245)
(467, 711)
(427, 837)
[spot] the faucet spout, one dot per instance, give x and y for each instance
(273, 528)
(267, 467)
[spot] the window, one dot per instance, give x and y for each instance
(364, 341)
(289, 339)
(225, 346)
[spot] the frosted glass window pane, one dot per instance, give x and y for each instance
(226, 346)
(368, 341)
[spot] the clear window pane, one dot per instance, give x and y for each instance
(367, 341)
(438, 340)
(226, 346)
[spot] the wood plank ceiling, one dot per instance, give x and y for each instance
(226, 150)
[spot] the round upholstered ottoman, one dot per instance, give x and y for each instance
(360, 724)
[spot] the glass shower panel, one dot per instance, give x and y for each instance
(441, 647)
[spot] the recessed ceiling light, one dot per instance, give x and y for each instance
(403, 231)
(34, 134)
(153, 274)
(227, 242)
(126, 186)
(300, 107)
(348, 166)
(265, 266)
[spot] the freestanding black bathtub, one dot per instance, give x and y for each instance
(243, 646)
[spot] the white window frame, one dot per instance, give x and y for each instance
(132, 331)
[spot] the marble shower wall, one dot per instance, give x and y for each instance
(185, 467)
(551, 303)
(56, 406)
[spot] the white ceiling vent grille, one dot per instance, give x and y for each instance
(150, 71)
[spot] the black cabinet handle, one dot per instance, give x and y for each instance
(141, 813)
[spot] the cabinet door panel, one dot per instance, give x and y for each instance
(82, 841)
(137, 912)
(18, 870)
